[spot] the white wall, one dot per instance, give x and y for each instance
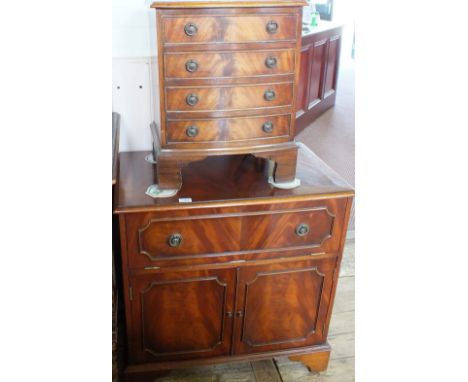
(133, 52)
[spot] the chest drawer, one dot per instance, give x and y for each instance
(228, 129)
(229, 29)
(228, 64)
(228, 97)
(152, 239)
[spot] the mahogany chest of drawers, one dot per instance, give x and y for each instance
(231, 268)
(228, 73)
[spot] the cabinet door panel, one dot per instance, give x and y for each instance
(318, 63)
(181, 315)
(332, 66)
(283, 306)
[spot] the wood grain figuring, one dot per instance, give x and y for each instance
(229, 64)
(218, 63)
(279, 230)
(237, 233)
(229, 129)
(231, 29)
(283, 305)
(182, 315)
(198, 236)
(315, 362)
(228, 98)
(240, 270)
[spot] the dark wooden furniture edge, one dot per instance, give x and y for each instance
(115, 145)
(228, 4)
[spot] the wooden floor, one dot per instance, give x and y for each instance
(341, 338)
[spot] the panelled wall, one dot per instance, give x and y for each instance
(320, 54)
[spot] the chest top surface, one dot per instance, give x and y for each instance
(224, 181)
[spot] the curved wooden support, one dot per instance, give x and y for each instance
(315, 362)
(169, 170)
(170, 162)
(285, 163)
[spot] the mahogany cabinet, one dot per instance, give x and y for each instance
(228, 74)
(231, 268)
(320, 56)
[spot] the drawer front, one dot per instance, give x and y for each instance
(229, 129)
(225, 236)
(228, 64)
(228, 97)
(188, 236)
(229, 29)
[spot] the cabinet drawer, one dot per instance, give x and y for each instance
(229, 129)
(162, 238)
(228, 64)
(228, 97)
(219, 236)
(229, 29)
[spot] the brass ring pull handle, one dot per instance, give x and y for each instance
(302, 229)
(271, 62)
(240, 313)
(229, 314)
(272, 27)
(269, 95)
(190, 29)
(191, 66)
(191, 131)
(191, 99)
(174, 240)
(267, 127)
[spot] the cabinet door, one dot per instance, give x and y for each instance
(331, 75)
(283, 305)
(181, 315)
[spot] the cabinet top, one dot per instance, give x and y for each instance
(224, 181)
(227, 3)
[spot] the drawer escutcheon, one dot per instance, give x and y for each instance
(190, 29)
(302, 229)
(175, 240)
